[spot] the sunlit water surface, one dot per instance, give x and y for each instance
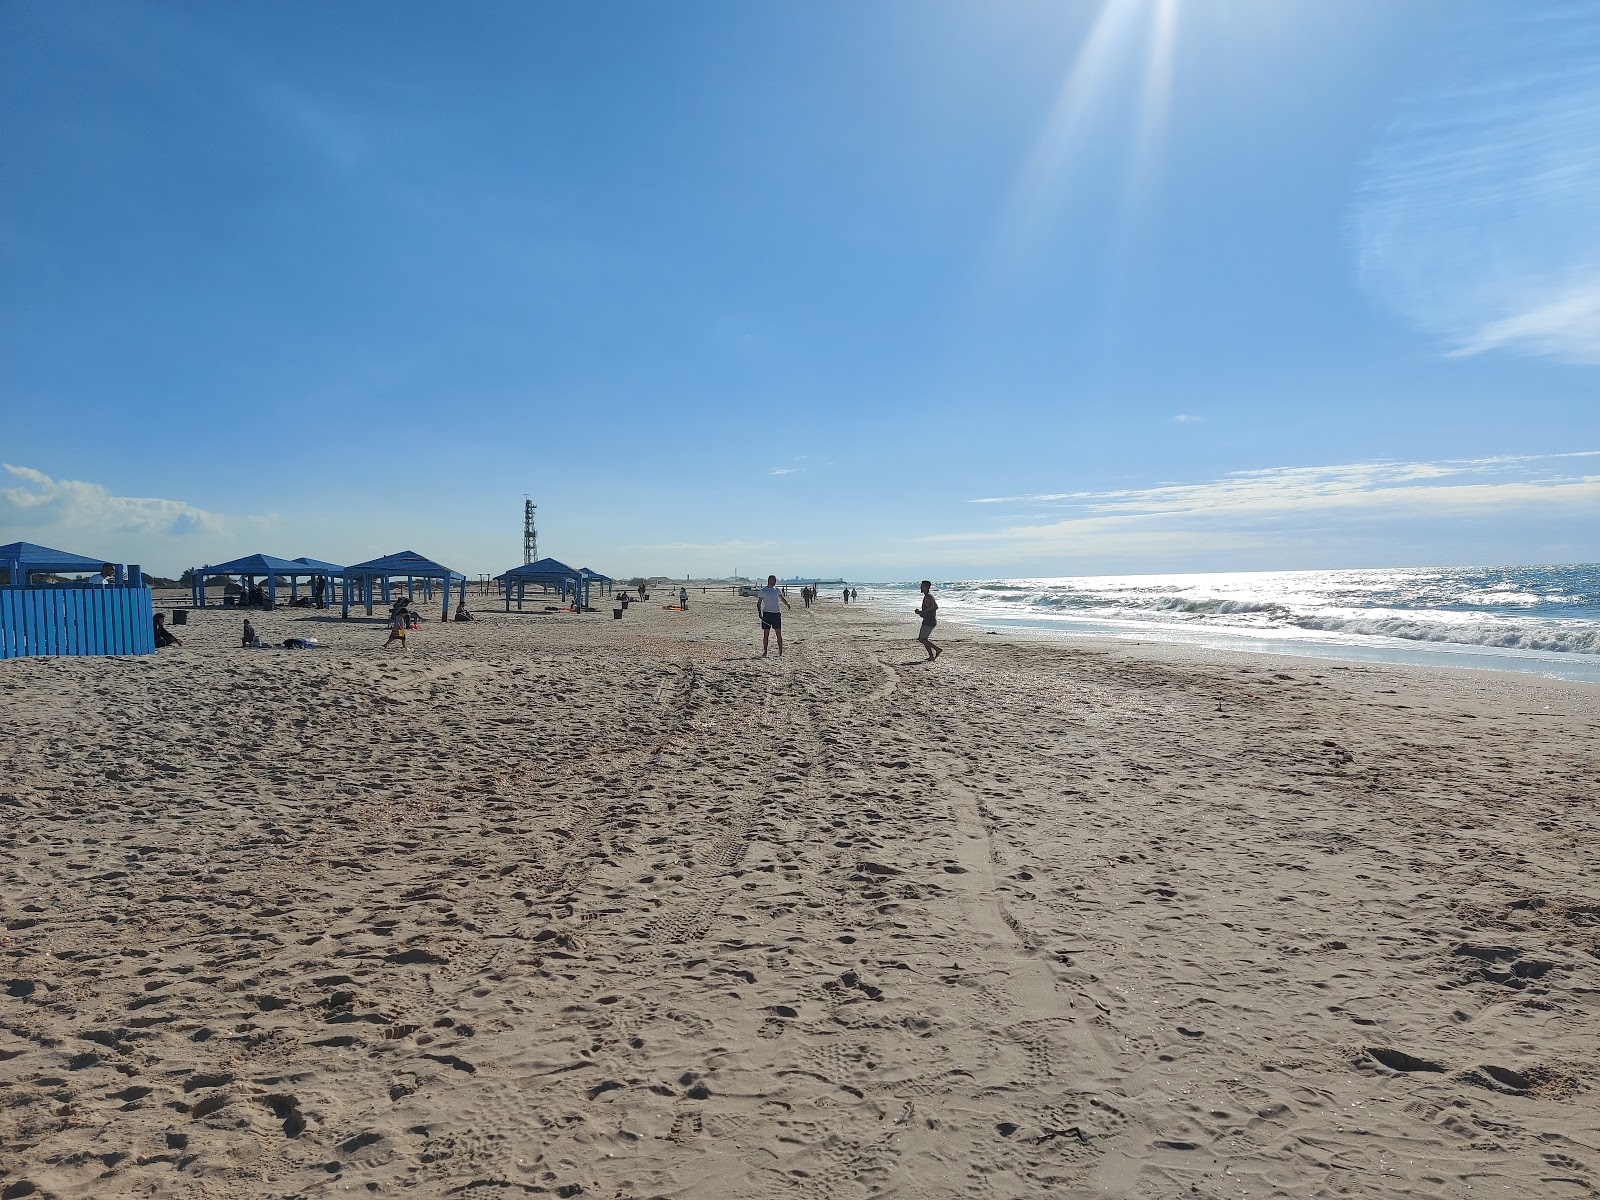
(1538, 620)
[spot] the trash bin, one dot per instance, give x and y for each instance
(616, 613)
(180, 616)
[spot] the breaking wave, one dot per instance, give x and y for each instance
(1546, 609)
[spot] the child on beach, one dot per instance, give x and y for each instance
(397, 629)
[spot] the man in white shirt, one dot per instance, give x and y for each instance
(106, 578)
(767, 601)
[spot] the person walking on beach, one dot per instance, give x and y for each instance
(767, 601)
(683, 599)
(929, 611)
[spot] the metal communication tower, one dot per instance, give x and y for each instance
(530, 535)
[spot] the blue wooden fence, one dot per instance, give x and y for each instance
(60, 621)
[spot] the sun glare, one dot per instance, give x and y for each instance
(1122, 74)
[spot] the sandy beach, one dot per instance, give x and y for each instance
(562, 905)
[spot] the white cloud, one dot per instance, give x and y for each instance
(1477, 221)
(786, 471)
(1187, 419)
(160, 531)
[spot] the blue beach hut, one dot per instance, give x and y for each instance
(546, 573)
(606, 584)
(407, 565)
(330, 573)
(21, 560)
(50, 619)
(248, 570)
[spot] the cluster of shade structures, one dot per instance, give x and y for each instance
(324, 582)
(365, 583)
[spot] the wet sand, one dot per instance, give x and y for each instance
(561, 905)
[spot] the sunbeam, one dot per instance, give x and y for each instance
(1119, 81)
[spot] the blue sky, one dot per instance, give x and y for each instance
(887, 290)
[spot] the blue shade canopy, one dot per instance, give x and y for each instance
(595, 576)
(319, 567)
(405, 562)
(256, 564)
(544, 568)
(25, 557)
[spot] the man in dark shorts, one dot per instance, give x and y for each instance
(767, 601)
(929, 611)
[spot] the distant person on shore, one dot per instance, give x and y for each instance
(929, 611)
(847, 595)
(767, 601)
(683, 598)
(319, 590)
(165, 636)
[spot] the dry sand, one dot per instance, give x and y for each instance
(561, 905)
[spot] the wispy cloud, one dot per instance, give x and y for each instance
(1252, 508)
(1477, 221)
(786, 471)
(1281, 489)
(1187, 419)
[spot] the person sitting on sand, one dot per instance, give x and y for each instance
(250, 638)
(929, 611)
(165, 636)
(461, 611)
(397, 629)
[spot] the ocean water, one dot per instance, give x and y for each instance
(1539, 620)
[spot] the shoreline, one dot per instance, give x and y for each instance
(1420, 655)
(559, 902)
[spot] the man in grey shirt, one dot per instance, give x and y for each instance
(767, 601)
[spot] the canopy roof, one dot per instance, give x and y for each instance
(545, 568)
(23, 557)
(595, 575)
(405, 562)
(256, 564)
(321, 568)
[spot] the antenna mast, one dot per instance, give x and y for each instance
(530, 535)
